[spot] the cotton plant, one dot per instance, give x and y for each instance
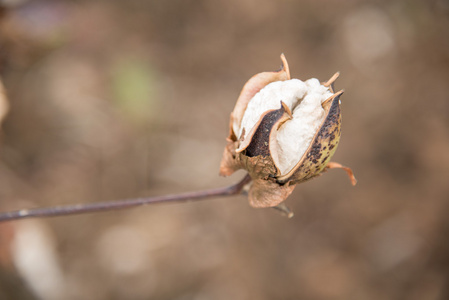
(282, 131)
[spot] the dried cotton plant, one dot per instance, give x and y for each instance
(282, 131)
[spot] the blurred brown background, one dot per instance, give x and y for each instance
(121, 99)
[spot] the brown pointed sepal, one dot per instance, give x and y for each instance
(268, 193)
(349, 172)
(229, 164)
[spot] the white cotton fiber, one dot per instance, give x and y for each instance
(294, 137)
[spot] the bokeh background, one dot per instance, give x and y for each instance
(121, 99)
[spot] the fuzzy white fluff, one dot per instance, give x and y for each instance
(294, 137)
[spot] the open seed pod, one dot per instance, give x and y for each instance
(283, 131)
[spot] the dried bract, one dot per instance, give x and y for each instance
(283, 131)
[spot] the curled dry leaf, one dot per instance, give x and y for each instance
(283, 131)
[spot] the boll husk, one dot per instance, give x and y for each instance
(283, 131)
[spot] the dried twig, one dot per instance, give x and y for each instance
(231, 190)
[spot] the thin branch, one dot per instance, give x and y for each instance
(231, 190)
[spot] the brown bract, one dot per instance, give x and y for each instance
(255, 152)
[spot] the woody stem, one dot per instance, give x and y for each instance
(73, 209)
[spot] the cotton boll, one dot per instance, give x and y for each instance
(294, 137)
(283, 132)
